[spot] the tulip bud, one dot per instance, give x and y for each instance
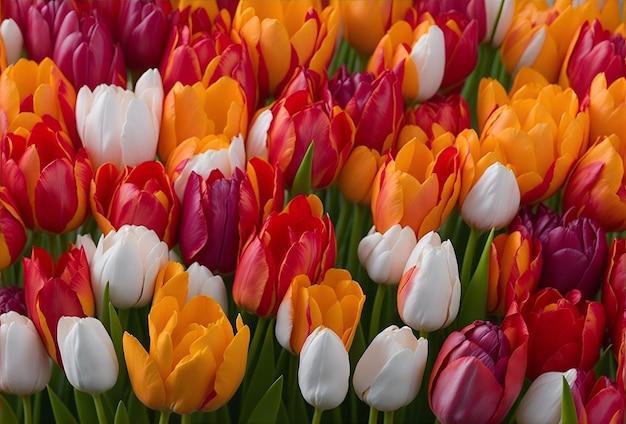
(12, 40)
(324, 369)
(24, 363)
(499, 17)
(542, 401)
(494, 199)
(389, 374)
(429, 292)
(88, 354)
(384, 256)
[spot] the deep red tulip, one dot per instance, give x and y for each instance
(55, 290)
(298, 240)
(565, 331)
(140, 195)
(604, 404)
(479, 371)
(441, 112)
(12, 231)
(614, 293)
(12, 299)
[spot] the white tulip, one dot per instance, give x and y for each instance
(499, 18)
(256, 143)
(12, 39)
(384, 256)
(542, 402)
(429, 56)
(201, 280)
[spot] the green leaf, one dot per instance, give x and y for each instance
(121, 415)
(266, 411)
(568, 409)
(118, 391)
(302, 180)
(61, 413)
(606, 364)
(474, 299)
(106, 321)
(85, 407)
(137, 411)
(7, 415)
(263, 373)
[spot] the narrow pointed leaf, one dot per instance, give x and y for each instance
(302, 180)
(61, 413)
(85, 407)
(121, 415)
(568, 410)
(7, 415)
(266, 411)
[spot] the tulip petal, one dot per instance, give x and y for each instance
(143, 373)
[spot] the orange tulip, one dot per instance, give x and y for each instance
(336, 302)
(358, 174)
(198, 110)
(281, 36)
(418, 187)
(607, 108)
(596, 186)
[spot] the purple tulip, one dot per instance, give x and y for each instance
(12, 299)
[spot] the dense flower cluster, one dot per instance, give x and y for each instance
(237, 210)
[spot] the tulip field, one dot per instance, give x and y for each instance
(312, 211)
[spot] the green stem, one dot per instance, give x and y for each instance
(424, 334)
(257, 339)
(468, 257)
(97, 400)
(388, 417)
(164, 418)
(28, 409)
(376, 310)
(317, 416)
(185, 419)
(355, 238)
(373, 417)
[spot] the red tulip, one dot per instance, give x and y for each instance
(479, 371)
(12, 231)
(44, 173)
(441, 112)
(604, 404)
(141, 195)
(55, 290)
(614, 293)
(565, 331)
(298, 240)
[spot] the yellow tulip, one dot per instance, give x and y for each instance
(195, 361)
(358, 173)
(336, 302)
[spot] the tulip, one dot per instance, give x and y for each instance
(192, 111)
(365, 23)
(429, 292)
(418, 54)
(604, 403)
(34, 90)
(594, 50)
(335, 302)
(324, 369)
(540, 135)
(202, 156)
(85, 51)
(12, 42)
(621, 367)
(479, 371)
(24, 363)
(12, 230)
(141, 195)
(357, 175)
(39, 22)
(128, 260)
(447, 112)
(12, 299)
(514, 270)
(202, 281)
(613, 293)
(499, 16)
(304, 32)
(56, 290)
(209, 364)
(89, 359)
(542, 401)
(607, 105)
(136, 22)
(384, 255)
(389, 373)
(595, 186)
(297, 240)
(43, 172)
(16, 10)
(578, 323)
(418, 187)
(536, 221)
(493, 201)
(121, 126)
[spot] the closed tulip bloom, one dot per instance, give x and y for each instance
(448, 112)
(606, 106)
(418, 53)
(53, 290)
(24, 363)
(121, 126)
(613, 293)
(579, 324)
(324, 369)
(209, 361)
(499, 16)
(389, 373)
(384, 255)
(595, 187)
(542, 402)
(128, 260)
(12, 42)
(192, 111)
(429, 292)
(493, 201)
(479, 371)
(335, 302)
(89, 359)
(12, 299)
(12, 230)
(603, 401)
